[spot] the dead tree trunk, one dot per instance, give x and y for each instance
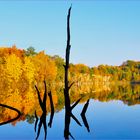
(68, 107)
(66, 89)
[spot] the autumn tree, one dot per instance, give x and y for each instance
(13, 67)
(45, 68)
(59, 64)
(29, 69)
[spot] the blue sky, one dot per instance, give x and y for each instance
(102, 32)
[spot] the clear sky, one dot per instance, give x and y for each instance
(102, 32)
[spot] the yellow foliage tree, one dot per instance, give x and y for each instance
(29, 69)
(45, 67)
(29, 101)
(13, 67)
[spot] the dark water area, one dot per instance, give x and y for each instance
(108, 116)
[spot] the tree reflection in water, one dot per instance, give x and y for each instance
(13, 109)
(43, 116)
(84, 116)
(126, 94)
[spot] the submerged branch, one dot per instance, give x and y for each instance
(84, 116)
(52, 109)
(39, 98)
(12, 108)
(75, 103)
(76, 120)
(36, 121)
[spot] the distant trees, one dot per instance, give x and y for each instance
(24, 67)
(128, 71)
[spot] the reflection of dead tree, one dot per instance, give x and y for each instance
(43, 116)
(68, 107)
(36, 121)
(83, 115)
(14, 109)
(52, 109)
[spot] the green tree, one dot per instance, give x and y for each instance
(30, 51)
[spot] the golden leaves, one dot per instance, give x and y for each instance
(13, 67)
(29, 69)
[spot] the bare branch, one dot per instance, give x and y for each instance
(12, 108)
(52, 109)
(76, 120)
(36, 120)
(85, 107)
(45, 95)
(71, 85)
(39, 98)
(71, 136)
(75, 103)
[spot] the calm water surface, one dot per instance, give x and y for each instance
(114, 114)
(107, 120)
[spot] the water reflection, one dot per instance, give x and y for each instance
(43, 116)
(84, 116)
(52, 109)
(128, 94)
(12, 119)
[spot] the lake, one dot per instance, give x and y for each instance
(113, 114)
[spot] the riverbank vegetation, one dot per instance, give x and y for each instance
(28, 67)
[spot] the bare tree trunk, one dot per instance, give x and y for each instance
(66, 89)
(68, 107)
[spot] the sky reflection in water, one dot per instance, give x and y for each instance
(107, 120)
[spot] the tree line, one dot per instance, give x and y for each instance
(28, 66)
